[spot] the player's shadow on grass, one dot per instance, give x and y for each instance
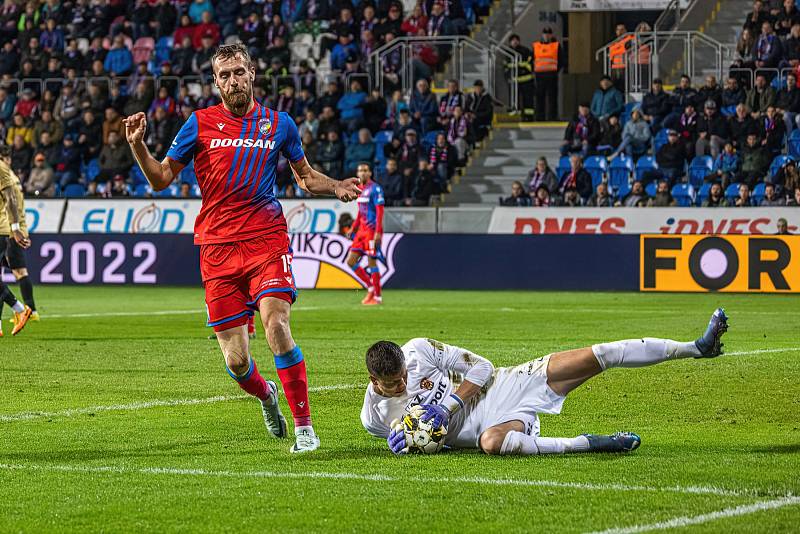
(780, 449)
(166, 450)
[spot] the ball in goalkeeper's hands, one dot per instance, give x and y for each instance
(421, 437)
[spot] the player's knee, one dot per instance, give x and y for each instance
(277, 326)
(492, 440)
(237, 361)
(19, 273)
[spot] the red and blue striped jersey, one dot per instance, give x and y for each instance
(235, 160)
(371, 197)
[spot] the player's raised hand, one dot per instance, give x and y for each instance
(135, 126)
(347, 190)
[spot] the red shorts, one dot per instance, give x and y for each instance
(364, 243)
(237, 275)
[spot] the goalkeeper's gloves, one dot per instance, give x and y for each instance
(397, 441)
(439, 415)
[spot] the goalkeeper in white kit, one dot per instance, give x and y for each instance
(496, 409)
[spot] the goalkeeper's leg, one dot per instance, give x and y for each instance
(509, 438)
(568, 370)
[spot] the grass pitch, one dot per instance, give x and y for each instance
(117, 419)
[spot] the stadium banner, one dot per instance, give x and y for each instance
(732, 263)
(44, 215)
(414, 261)
(617, 5)
(176, 216)
(642, 220)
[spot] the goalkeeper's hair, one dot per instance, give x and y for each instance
(228, 51)
(385, 358)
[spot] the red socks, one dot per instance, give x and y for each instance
(362, 275)
(292, 373)
(252, 381)
(376, 280)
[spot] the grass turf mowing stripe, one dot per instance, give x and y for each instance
(703, 490)
(686, 521)
(143, 405)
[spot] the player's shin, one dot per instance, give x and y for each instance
(252, 381)
(642, 352)
(375, 277)
(362, 275)
(292, 372)
(26, 289)
(8, 297)
(520, 443)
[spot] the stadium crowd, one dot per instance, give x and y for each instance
(713, 145)
(71, 70)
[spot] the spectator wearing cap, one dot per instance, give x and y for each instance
(119, 61)
(760, 97)
(787, 102)
(423, 106)
(671, 158)
(41, 181)
(712, 131)
(68, 168)
(755, 160)
(582, 133)
(480, 111)
(345, 47)
(607, 100)
(636, 137)
(772, 131)
(518, 196)
(656, 105)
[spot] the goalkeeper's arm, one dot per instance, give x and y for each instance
(477, 371)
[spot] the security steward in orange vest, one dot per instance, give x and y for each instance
(547, 61)
(524, 77)
(618, 56)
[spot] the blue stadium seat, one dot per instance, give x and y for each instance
(171, 191)
(383, 137)
(74, 191)
(758, 192)
(137, 176)
(777, 163)
(626, 113)
(188, 175)
(597, 167)
(622, 190)
(163, 50)
(703, 193)
(620, 171)
(683, 194)
(92, 169)
(563, 167)
(196, 191)
(660, 140)
(645, 163)
(732, 192)
(793, 144)
(700, 167)
(141, 190)
(650, 189)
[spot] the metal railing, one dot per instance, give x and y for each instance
(485, 61)
(663, 54)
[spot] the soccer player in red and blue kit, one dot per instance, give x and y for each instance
(368, 232)
(245, 258)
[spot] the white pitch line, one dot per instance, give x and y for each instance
(685, 521)
(379, 478)
(27, 416)
(144, 313)
(761, 351)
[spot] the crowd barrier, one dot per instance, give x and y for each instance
(626, 262)
(168, 216)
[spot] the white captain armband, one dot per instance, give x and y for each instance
(15, 227)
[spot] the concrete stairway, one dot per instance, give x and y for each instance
(506, 157)
(724, 26)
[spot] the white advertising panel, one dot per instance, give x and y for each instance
(43, 215)
(642, 220)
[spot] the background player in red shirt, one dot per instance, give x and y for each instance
(368, 232)
(244, 245)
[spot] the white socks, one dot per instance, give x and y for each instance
(642, 352)
(520, 443)
(18, 307)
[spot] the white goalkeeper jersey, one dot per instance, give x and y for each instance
(435, 370)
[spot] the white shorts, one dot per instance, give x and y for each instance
(516, 394)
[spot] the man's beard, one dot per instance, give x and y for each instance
(238, 102)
